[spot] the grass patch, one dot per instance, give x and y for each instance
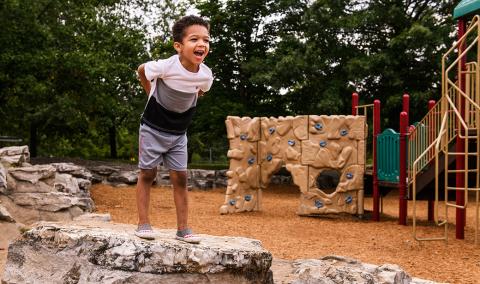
(208, 166)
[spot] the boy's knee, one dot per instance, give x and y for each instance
(148, 175)
(179, 178)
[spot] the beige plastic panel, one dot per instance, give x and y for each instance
(280, 144)
(238, 126)
(317, 203)
(243, 174)
(299, 175)
(307, 145)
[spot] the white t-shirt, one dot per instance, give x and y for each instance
(175, 76)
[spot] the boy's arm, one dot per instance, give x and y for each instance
(143, 79)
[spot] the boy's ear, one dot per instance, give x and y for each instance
(178, 46)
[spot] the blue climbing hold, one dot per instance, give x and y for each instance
(343, 132)
(318, 204)
(291, 142)
(243, 137)
(251, 161)
(232, 202)
(269, 157)
(318, 126)
(248, 197)
(348, 199)
(349, 175)
(323, 143)
(271, 130)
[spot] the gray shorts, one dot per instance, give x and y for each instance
(156, 146)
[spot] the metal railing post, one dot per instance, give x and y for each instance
(376, 132)
(402, 184)
(354, 103)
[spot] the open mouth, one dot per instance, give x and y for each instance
(199, 52)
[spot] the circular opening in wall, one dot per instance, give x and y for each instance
(328, 180)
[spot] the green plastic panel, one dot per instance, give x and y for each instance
(466, 7)
(420, 147)
(388, 153)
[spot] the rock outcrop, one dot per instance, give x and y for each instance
(35, 192)
(91, 252)
(41, 192)
(337, 269)
(14, 156)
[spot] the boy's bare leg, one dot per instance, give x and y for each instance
(180, 196)
(144, 183)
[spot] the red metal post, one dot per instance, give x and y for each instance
(406, 106)
(376, 132)
(402, 184)
(460, 147)
(354, 103)
(431, 203)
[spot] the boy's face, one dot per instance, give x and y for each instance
(194, 47)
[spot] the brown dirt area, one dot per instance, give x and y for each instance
(289, 236)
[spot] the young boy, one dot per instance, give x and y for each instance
(173, 86)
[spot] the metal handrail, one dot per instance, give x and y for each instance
(454, 124)
(414, 187)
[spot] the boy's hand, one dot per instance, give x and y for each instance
(201, 93)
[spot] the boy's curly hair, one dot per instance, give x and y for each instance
(181, 25)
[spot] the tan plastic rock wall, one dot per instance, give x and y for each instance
(308, 146)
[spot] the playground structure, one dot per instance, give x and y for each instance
(324, 154)
(436, 159)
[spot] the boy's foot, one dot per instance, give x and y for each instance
(145, 231)
(187, 235)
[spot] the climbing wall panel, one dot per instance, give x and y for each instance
(324, 154)
(243, 174)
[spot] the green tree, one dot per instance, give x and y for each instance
(67, 74)
(401, 44)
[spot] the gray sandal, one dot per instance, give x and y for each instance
(187, 235)
(145, 231)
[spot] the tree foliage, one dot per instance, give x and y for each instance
(67, 75)
(67, 68)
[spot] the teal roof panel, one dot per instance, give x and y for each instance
(466, 7)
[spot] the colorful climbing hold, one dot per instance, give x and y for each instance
(243, 137)
(248, 197)
(269, 157)
(251, 160)
(291, 142)
(349, 175)
(343, 132)
(318, 204)
(271, 130)
(318, 126)
(348, 199)
(323, 143)
(232, 202)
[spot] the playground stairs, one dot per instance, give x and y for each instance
(443, 149)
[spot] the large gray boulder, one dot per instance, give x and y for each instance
(83, 176)
(337, 269)
(124, 177)
(110, 253)
(41, 187)
(34, 192)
